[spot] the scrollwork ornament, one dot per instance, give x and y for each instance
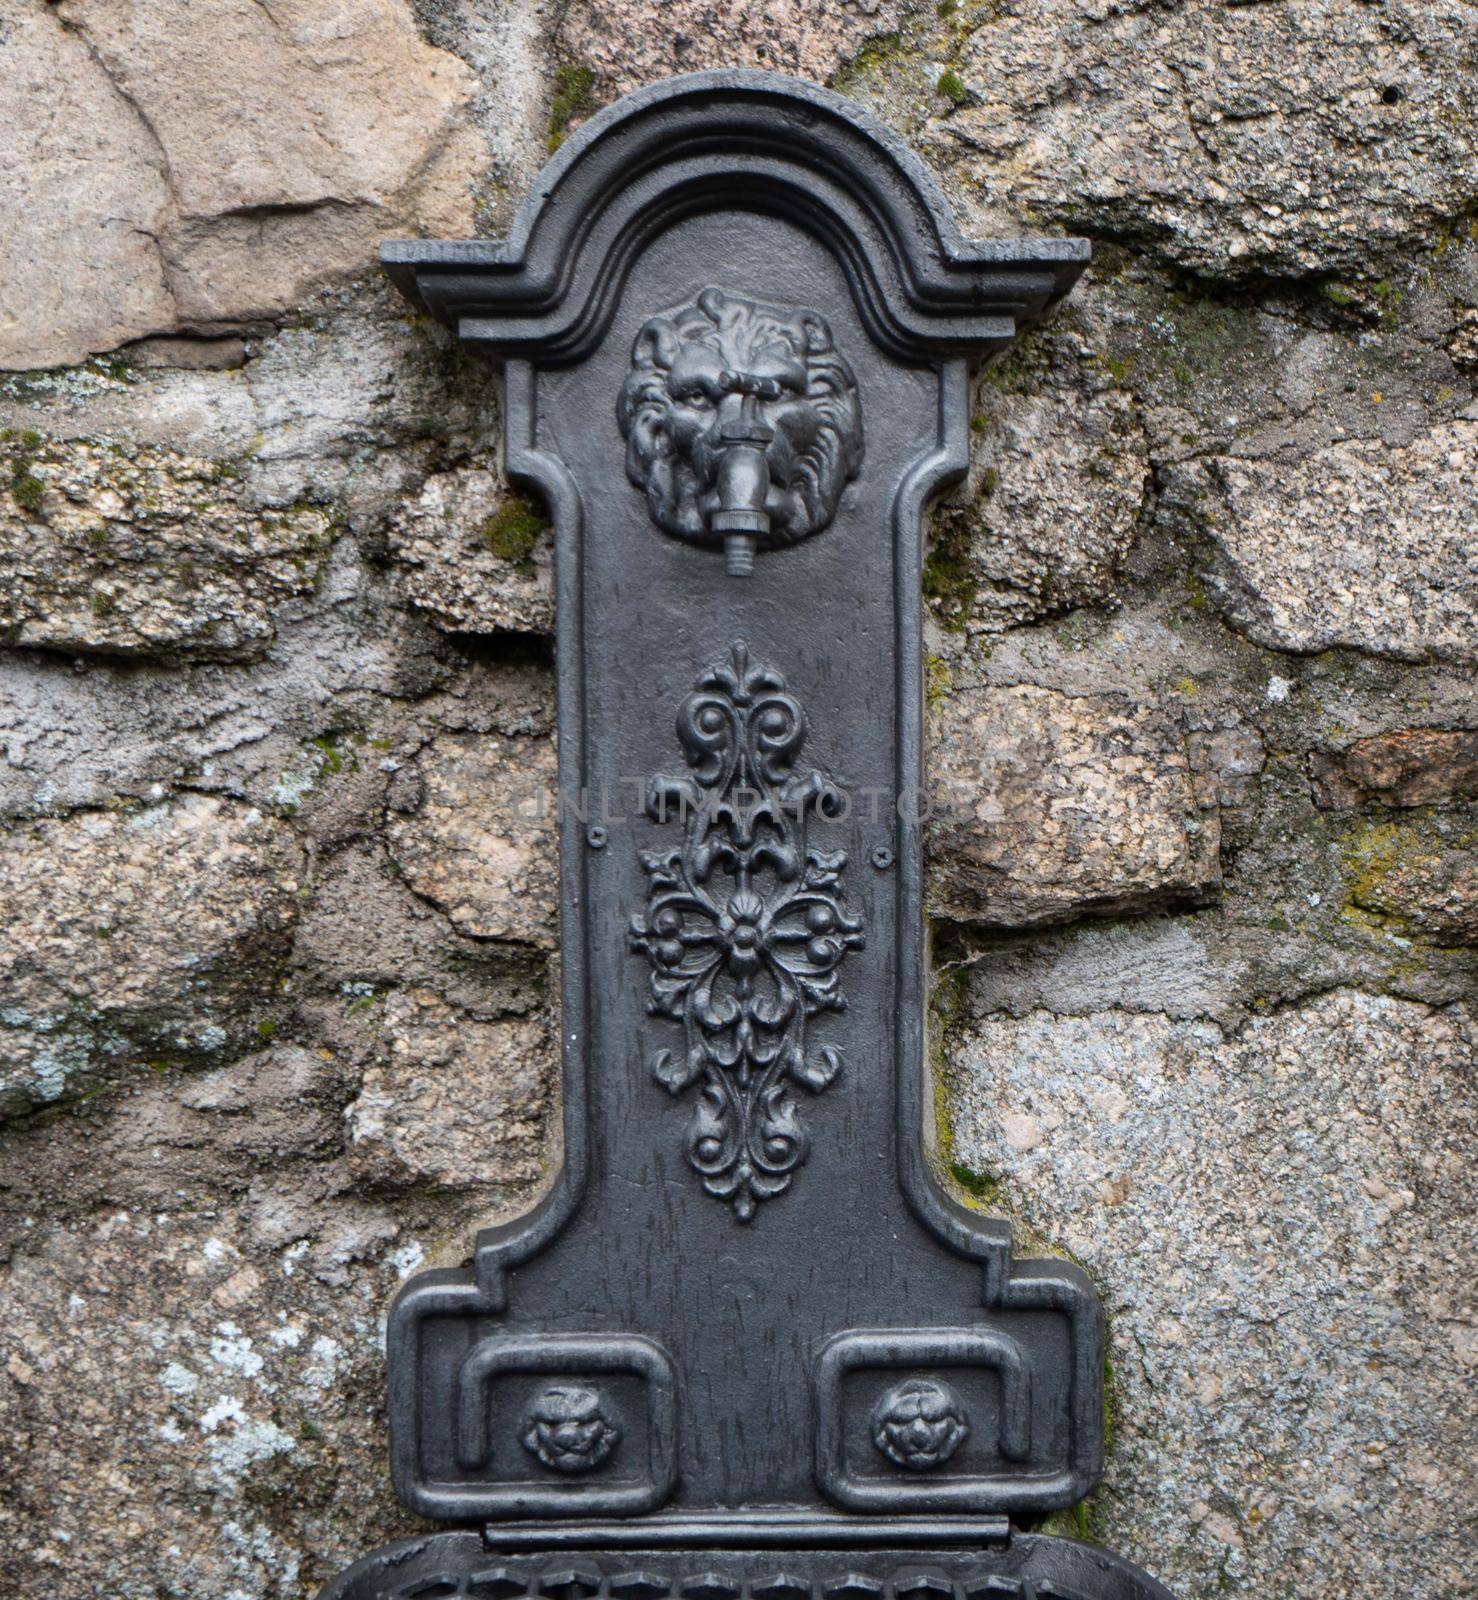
(745, 928)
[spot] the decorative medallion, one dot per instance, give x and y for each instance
(745, 929)
(568, 1429)
(742, 423)
(919, 1424)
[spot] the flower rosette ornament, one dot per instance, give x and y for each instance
(568, 1430)
(919, 1424)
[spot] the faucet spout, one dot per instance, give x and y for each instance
(743, 485)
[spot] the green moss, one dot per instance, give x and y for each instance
(879, 51)
(1372, 852)
(1110, 1401)
(948, 581)
(1119, 366)
(1185, 337)
(946, 1005)
(936, 680)
(1370, 855)
(512, 532)
(1450, 234)
(1338, 295)
(952, 86)
(1376, 852)
(102, 605)
(1388, 297)
(986, 1191)
(26, 489)
(333, 759)
(574, 96)
(266, 1030)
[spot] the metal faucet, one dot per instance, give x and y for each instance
(743, 481)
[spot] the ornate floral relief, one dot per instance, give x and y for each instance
(569, 1429)
(919, 1424)
(745, 928)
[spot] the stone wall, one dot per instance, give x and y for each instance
(275, 967)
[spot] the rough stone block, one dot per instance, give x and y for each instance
(202, 1401)
(144, 552)
(476, 834)
(456, 1102)
(475, 557)
(1230, 140)
(231, 158)
(1360, 544)
(1417, 879)
(612, 44)
(1407, 767)
(1054, 806)
(1060, 476)
(1434, 896)
(135, 937)
(1279, 1222)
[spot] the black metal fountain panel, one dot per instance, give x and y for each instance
(747, 1348)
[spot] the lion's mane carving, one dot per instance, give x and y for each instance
(692, 368)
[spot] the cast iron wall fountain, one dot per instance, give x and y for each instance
(746, 1349)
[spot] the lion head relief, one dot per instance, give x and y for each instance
(740, 418)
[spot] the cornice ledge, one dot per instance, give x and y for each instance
(746, 139)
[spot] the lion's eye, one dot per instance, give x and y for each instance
(695, 397)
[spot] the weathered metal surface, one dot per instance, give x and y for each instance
(1028, 1567)
(735, 316)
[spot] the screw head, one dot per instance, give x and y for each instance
(882, 858)
(596, 836)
